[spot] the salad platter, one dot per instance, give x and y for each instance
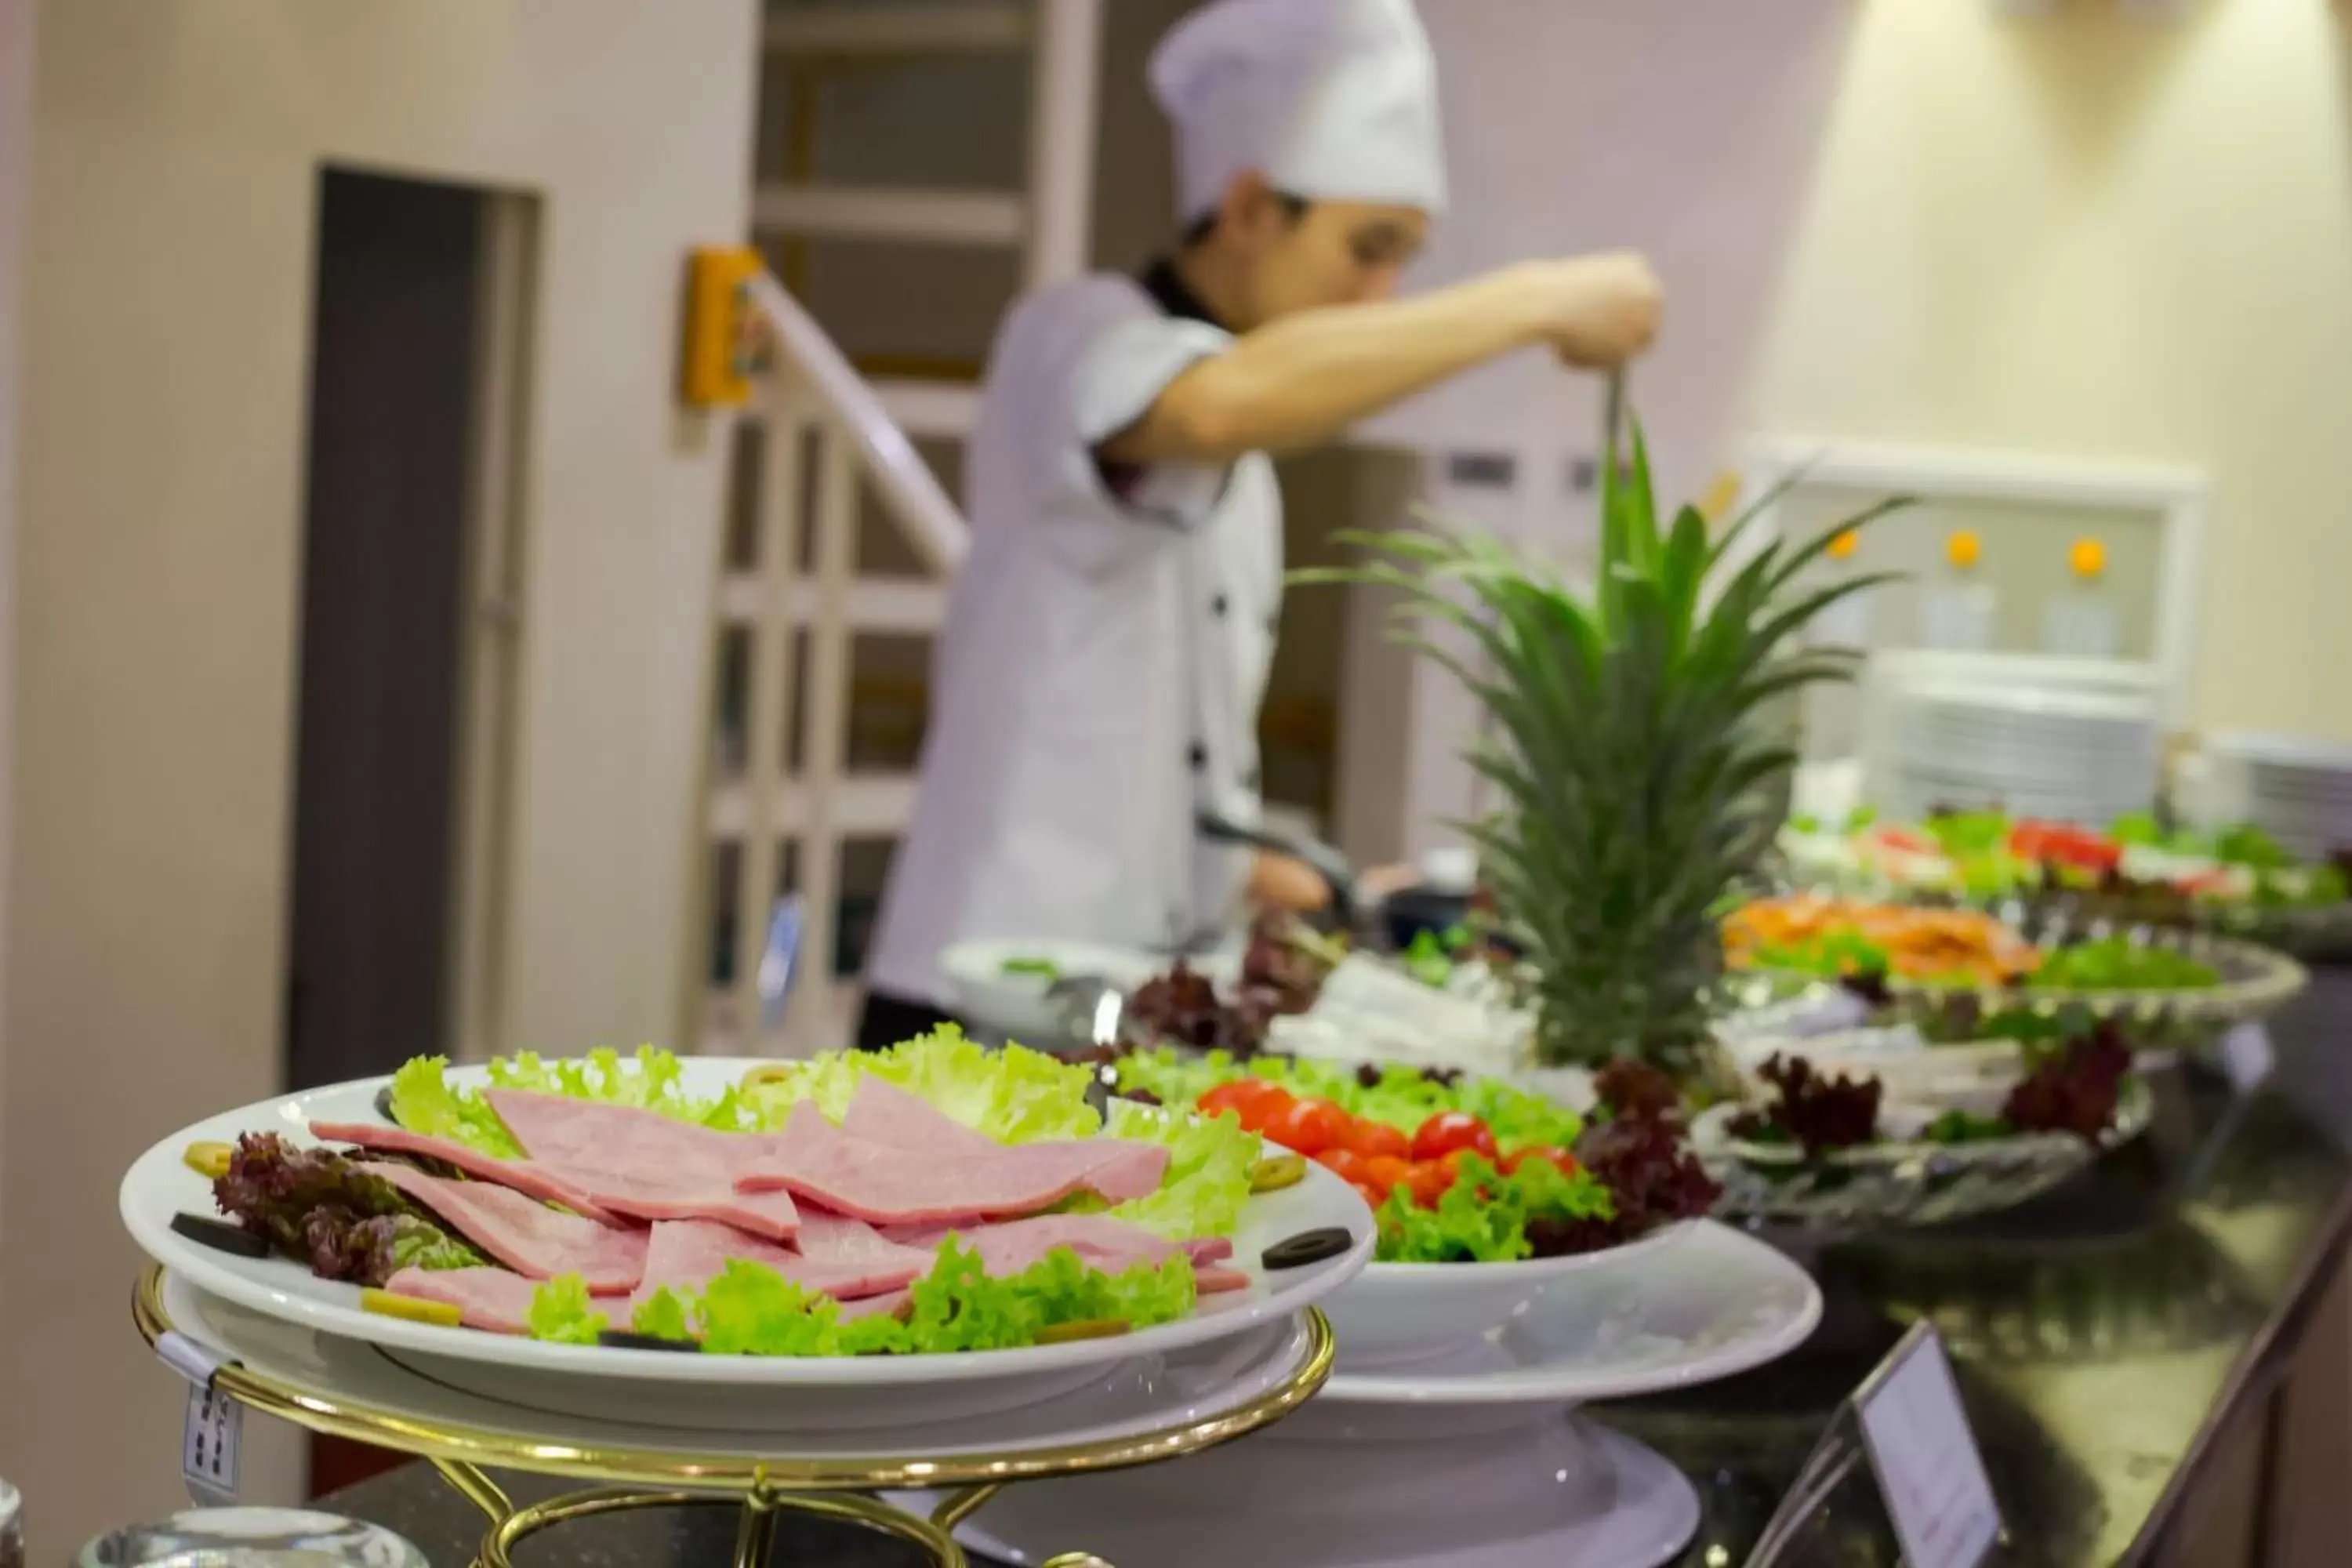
(1484, 1194)
(1959, 961)
(2234, 880)
(1824, 1150)
(601, 1259)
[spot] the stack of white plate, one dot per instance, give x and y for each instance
(2299, 791)
(2067, 755)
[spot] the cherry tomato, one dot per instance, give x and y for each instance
(1451, 1130)
(1369, 1139)
(1551, 1152)
(1239, 1094)
(1372, 1199)
(1346, 1163)
(2065, 843)
(1385, 1170)
(1308, 1126)
(1427, 1181)
(1260, 1112)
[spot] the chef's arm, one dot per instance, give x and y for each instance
(1307, 377)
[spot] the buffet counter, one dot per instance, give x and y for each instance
(2124, 1346)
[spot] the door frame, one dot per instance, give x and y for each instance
(492, 626)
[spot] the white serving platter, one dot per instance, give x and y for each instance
(1127, 1399)
(1395, 1312)
(824, 1391)
(1714, 1303)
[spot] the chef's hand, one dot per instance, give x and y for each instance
(1279, 882)
(1597, 312)
(1285, 884)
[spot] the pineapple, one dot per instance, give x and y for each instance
(1638, 788)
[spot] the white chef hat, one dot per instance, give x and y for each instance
(1330, 99)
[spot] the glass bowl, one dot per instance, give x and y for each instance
(1899, 1183)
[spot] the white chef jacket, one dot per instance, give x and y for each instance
(1098, 677)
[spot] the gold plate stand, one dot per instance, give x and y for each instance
(760, 1488)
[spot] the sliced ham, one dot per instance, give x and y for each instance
(589, 1132)
(684, 1255)
(1215, 1278)
(522, 1175)
(891, 1303)
(686, 1195)
(493, 1298)
(885, 1113)
(523, 1233)
(1009, 1247)
(835, 1239)
(1208, 1250)
(819, 1162)
(644, 1164)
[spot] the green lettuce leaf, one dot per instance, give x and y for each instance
(1484, 1215)
(1176, 1078)
(1014, 1095)
(413, 1242)
(663, 1315)
(560, 1310)
(748, 1308)
(649, 1078)
(751, 1309)
(957, 1307)
(1208, 1179)
(424, 1101)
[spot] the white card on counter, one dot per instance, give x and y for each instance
(2246, 1056)
(1960, 618)
(209, 1446)
(1930, 1471)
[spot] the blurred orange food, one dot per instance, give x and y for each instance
(1919, 944)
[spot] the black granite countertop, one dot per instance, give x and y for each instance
(2104, 1337)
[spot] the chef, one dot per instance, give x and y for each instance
(1095, 687)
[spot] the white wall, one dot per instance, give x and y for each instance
(172, 237)
(1682, 129)
(2095, 237)
(2087, 234)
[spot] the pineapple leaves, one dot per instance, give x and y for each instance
(1633, 775)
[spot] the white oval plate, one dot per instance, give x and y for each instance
(1015, 1004)
(1130, 1399)
(1566, 1494)
(1399, 1311)
(1716, 1303)
(159, 1185)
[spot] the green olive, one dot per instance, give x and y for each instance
(1277, 1171)
(416, 1310)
